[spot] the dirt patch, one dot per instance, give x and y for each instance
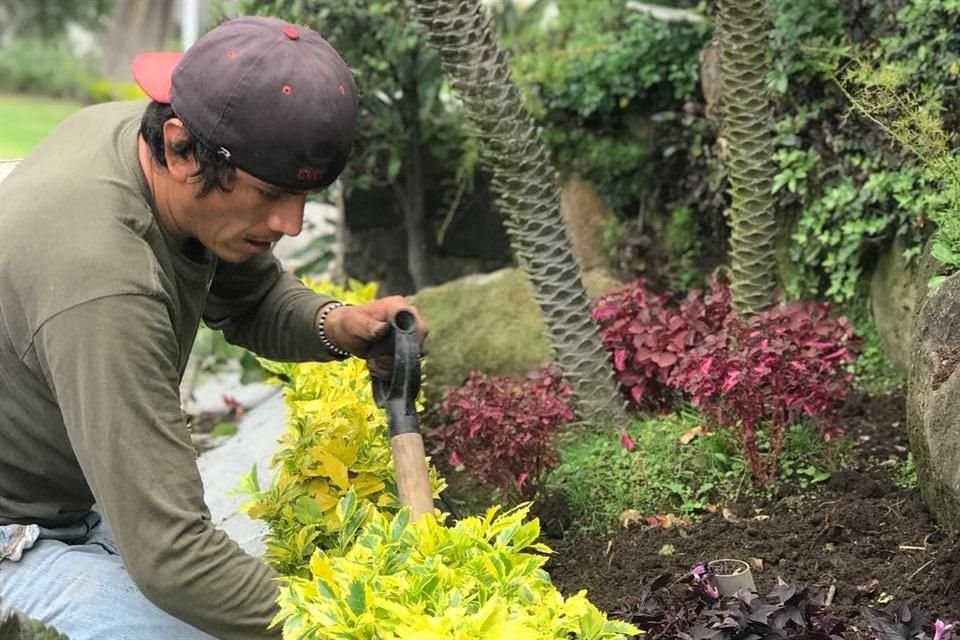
(860, 534)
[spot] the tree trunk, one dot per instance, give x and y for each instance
(414, 214)
(748, 131)
(526, 185)
(136, 26)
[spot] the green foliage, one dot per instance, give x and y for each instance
(335, 444)
(848, 189)
(806, 458)
(49, 18)
(15, 626)
(852, 215)
(224, 429)
(48, 68)
(667, 474)
(912, 117)
(682, 242)
(594, 72)
(805, 41)
(602, 479)
(905, 475)
(872, 372)
(481, 579)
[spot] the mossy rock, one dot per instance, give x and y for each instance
(933, 402)
(488, 323)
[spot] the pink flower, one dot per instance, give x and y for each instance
(939, 628)
(699, 571)
(626, 441)
(455, 459)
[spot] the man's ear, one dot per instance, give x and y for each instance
(181, 168)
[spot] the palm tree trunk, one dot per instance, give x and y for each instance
(527, 189)
(748, 130)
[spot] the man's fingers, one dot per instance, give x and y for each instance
(381, 367)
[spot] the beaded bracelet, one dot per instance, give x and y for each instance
(335, 351)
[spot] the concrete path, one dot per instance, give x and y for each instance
(253, 444)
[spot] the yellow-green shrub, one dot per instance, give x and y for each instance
(355, 567)
(481, 579)
(335, 441)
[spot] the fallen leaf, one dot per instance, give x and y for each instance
(630, 516)
(666, 550)
(728, 515)
(756, 563)
(688, 437)
(669, 520)
(609, 547)
(884, 598)
(761, 517)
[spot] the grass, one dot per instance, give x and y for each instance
(668, 472)
(25, 120)
(602, 480)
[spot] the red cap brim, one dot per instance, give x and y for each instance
(153, 72)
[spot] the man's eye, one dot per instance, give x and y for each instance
(269, 195)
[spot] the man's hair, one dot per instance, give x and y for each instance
(213, 169)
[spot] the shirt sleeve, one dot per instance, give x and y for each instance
(265, 309)
(111, 364)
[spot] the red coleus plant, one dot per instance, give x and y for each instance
(501, 429)
(769, 370)
(747, 374)
(648, 335)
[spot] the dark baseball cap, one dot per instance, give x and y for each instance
(275, 98)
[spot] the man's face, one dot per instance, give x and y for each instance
(249, 219)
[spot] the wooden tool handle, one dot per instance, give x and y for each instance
(413, 480)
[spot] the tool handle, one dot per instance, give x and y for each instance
(413, 479)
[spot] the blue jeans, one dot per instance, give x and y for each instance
(73, 579)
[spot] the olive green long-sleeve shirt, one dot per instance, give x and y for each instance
(98, 312)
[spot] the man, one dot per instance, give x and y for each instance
(124, 229)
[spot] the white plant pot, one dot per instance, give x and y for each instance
(731, 576)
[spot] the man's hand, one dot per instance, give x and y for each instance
(363, 331)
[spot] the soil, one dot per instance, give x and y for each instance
(870, 540)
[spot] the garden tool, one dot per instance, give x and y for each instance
(398, 397)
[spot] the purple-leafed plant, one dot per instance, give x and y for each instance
(902, 621)
(692, 609)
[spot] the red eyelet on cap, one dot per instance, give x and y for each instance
(231, 54)
(291, 32)
(286, 90)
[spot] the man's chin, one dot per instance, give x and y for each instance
(233, 256)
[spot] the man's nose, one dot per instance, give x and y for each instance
(287, 217)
